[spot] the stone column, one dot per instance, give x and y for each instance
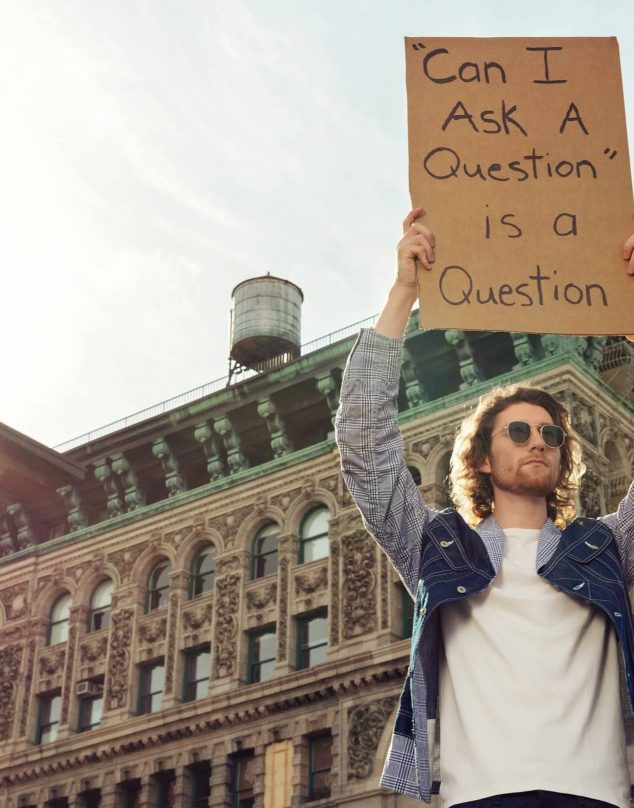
(287, 555)
(178, 594)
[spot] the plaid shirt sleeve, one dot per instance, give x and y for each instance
(371, 448)
(622, 523)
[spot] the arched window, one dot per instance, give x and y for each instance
(99, 616)
(202, 571)
(59, 617)
(158, 587)
(313, 535)
(265, 550)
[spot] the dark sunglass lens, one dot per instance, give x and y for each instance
(519, 431)
(553, 435)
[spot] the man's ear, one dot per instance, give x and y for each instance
(485, 466)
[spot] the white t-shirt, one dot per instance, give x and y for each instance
(529, 690)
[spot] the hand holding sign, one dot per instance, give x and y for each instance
(521, 145)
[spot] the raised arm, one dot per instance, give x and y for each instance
(369, 439)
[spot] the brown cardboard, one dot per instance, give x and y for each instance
(533, 241)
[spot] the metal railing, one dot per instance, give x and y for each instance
(205, 390)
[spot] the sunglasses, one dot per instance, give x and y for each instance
(520, 433)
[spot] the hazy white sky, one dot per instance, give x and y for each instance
(154, 154)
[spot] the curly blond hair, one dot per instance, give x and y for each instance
(471, 490)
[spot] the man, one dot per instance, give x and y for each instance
(519, 629)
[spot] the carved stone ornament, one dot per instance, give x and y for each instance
(384, 590)
(125, 559)
(359, 585)
(590, 494)
(282, 622)
(366, 724)
(119, 661)
(28, 680)
(14, 600)
(153, 631)
(93, 651)
(52, 663)
(227, 606)
(261, 598)
(227, 564)
(333, 616)
(10, 662)
(197, 618)
(584, 422)
(311, 582)
(282, 501)
(171, 645)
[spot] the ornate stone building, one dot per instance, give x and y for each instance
(191, 613)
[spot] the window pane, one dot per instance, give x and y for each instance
(59, 617)
(312, 640)
(102, 596)
(315, 523)
(61, 609)
(99, 619)
(244, 779)
(265, 551)
(314, 535)
(50, 708)
(197, 673)
(151, 688)
(200, 788)
(90, 713)
(320, 764)
(203, 570)
(315, 548)
(262, 657)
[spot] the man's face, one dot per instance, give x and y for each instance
(530, 470)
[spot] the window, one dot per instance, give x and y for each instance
(312, 640)
(313, 535)
(197, 669)
(99, 616)
(202, 571)
(265, 551)
(158, 587)
(261, 656)
(90, 799)
(242, 781)
(91, 706)
(151, 688)
(165, 783)
(48, 718)
(129, 793)
(319, 766)
(200, 774)
(59, 618)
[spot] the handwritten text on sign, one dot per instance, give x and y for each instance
(518, 151)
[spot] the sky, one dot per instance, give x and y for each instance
(155, 154)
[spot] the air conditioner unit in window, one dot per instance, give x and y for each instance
(88, 688)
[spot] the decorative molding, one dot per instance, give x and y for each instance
(366, 724)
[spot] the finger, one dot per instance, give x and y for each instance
(425, 231)
(422, 257)
(411, 217)
(628, 254)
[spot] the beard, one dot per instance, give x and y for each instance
(528, 481)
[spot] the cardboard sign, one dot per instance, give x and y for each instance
(518, 154)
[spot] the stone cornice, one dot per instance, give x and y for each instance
(251, 705)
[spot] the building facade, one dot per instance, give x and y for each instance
(191, 613)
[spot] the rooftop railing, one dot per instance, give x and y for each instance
(205, 389)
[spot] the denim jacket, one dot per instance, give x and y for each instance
(440, 558)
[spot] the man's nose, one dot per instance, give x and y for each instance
(536, 441)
